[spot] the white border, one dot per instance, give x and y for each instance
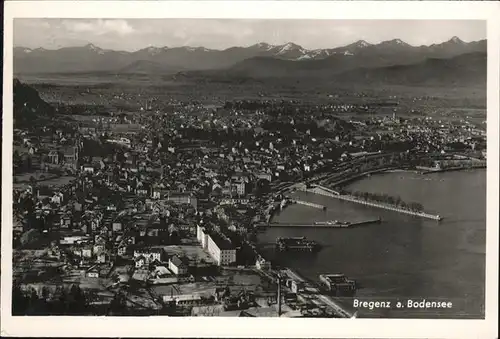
(255, 327)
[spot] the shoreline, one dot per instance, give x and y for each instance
(454, 169)
(402, 170)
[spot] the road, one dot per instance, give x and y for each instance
(327, 300)
(334, 305)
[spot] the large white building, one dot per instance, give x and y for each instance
(202, 236)
(220, 249)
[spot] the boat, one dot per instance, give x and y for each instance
(333, 223)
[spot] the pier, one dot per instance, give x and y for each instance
(310, 204)
(321, 191)
(321, 225)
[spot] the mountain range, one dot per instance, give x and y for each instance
(258, 60)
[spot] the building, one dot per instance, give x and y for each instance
(240, 188)
(180, 198)
(183, 300)
(54, 157)
(264, 176)
(117, 226)
(140, 261)
(70, 157)
(262, 264)
(221, 249)
(202, 236)
(178, 265)
(150, 254)
(87, 168)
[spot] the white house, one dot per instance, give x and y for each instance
(149, 254)
(177, 265)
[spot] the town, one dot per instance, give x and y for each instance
(152, 207)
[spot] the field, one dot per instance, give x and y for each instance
(129, 92)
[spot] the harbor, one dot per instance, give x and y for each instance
(397, 236)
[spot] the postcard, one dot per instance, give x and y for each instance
(173, 169)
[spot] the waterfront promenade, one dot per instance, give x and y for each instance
(329, 193)
(333, 181)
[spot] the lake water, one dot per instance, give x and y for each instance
(404, 256)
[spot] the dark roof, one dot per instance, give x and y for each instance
(179, 194)
(68, 150)
(178, 261)
(44, 190)
(149, 250)
(221, 242)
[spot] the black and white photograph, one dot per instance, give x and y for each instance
(248, 167)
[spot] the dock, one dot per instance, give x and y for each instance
(285, 244)
(321, 225)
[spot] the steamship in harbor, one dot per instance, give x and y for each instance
(334, 223)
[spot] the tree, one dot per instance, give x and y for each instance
(19, 301)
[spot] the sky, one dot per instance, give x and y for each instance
(134, 34)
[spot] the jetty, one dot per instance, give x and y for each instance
(329, 193)
(310, 204)
(320, 224)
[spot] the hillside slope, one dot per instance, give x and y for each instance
(28, 106)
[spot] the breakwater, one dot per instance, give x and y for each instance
(321, 191)
(331, 224)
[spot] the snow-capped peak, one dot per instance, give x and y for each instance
(27, 50)
(362, 43)
(93, 47)
(397, 42)
(288, 47)
(456, 40)
(153, 50)
(304, 56)
(262, 45)
(193, 49)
